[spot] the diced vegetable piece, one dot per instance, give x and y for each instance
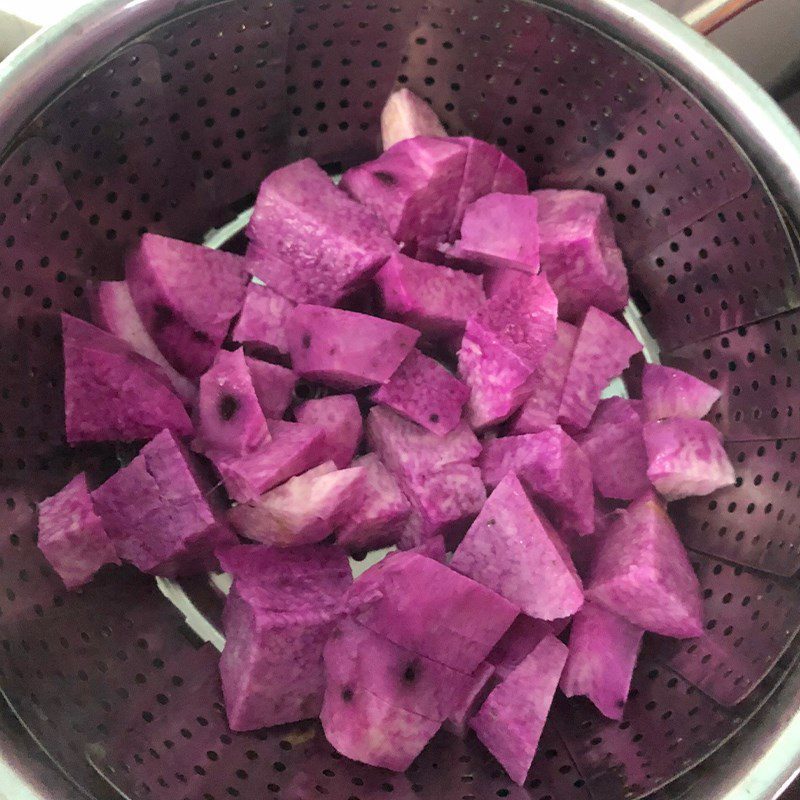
(434, 299)
(471, 700)
(518, 642)
(263, 319)
(504, 342)
(511, 720)
(433, 547)
(346, 349)
(113, 393)
(602, 654)
(603, 349)
(309, 241)
(642, 573)
(614, 446)
(306, 509)
(500, 230)
(187, 296)
(113, 309)
(405, 116)
(273, 385)
(428, 608)
(553, 469)
(422, 390)
(157, 512)
(669, 392)
(686, 457)
(413, 186)
(579, 254)
(379, 519)
(72, 536)
(340, 417)
(513, 550)
(230, 416)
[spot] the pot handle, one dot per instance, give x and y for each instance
(711, 14)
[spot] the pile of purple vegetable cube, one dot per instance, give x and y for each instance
(454, 333)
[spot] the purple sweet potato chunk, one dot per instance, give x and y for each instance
(114, 310)
(511, 720)
(230, 417)
(428, 608)
(405, 116)
(614, 445)
(602, 351)
(72, 536)
(309, 241)
(187, 296)
(642, 573)
(552, 468)
(378, 520)
(113, 393)
(433, 547)
(273, 385)
(470, 700)
(686, 458)
(602, 654)
(669, 392)
(345, 349)
(413, 186)
(513, 550)
(579, 254)
(434, 299)
(157, 513)
(422, 390)
(263, 319)
(340, 417)
(518, 642)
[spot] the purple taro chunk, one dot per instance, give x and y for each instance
(405, 116)
(273, 385)
(72, 536)
(340, 417)
(187, 296)
(309, 241)
(113, 393)
(263, 319)
(345, 349)
(518, 642)
(602, 654)
(602, 351)
(579, 254)
(686, 458)
(471, 700)
(511, 720)
(642, 573)
(669, 392)
(513, 550)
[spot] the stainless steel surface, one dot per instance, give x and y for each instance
(163, 117)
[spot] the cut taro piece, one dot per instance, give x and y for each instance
(158, 513)
(309, 241)
(579, 254)
(111, 393)
(518, 642)
(614, 445)
(340, 417)
(471, 699)
(686, 458)
(378, 520)
(273, 385)
(602, 351)
(263, 319)
(511, 720)
(428, 608)
(113, 309)
(230, 417)
(434, 548)
(72, 536)
(345, 349)
(422, 390)
(187, 296)
(512, 549)
(669, 392)
(603, 649)
(413, 187)
(641, 572)
(552, 468)
(433, 299)
(405, 116)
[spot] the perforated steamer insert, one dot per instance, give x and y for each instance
(164, 118)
